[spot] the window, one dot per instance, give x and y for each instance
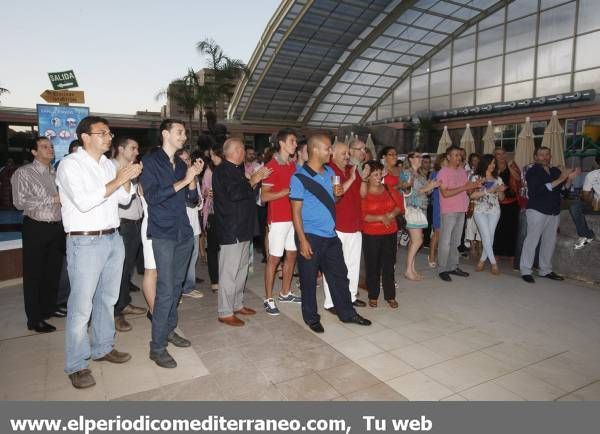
(462, 78)
(440, 83)
(464, 50)
(401, 93)
(521, 33)
(557, 23)
(520, 8)
(555, 58)
(487, 96)
(489, 72)
(587, 80)
(589, 15)
(587, 46)
(518, 91)
(490, 42)
(419, 86)
(553, 85)
(519, 66)
(463, 99)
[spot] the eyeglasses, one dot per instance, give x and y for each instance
(103, 134)
(358, 149)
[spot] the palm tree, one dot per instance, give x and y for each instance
(225, 71)
(187, 93)
(3, 91)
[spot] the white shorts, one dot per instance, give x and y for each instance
(281, 237)
(149, 262)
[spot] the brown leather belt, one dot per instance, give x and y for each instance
(92, 233)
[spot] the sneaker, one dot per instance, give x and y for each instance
(404, 239)
(289, 298)
(193, 294)
(270, 307)
(582, 242)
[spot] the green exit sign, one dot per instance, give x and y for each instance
(63, 80)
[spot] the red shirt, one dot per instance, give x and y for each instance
(279, 210)
(347, 210)
(380, 204)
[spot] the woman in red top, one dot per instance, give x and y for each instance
(380, 206)
(389, 155)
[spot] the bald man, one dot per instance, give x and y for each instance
(313, 197)
(235, 216)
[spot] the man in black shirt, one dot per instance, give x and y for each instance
(235, 218)
(544, 184)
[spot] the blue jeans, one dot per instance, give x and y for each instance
(172, 259)
(190, 279)
(486, 223)
(95, 264)
(577, 210)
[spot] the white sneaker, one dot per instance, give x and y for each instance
(194, 294)
(582, 242)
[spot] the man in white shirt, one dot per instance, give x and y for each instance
(589, 204)
(91, 190)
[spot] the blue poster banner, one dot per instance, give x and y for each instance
(58, 123)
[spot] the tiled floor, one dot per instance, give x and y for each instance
(482, 338)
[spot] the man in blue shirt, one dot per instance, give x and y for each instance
(544, 184)
(168, 184)
(313, 196)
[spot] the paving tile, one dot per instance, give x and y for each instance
(356, 348)
(417, 386)
(270, 393)
(456, 397)
(336, 333)
(515, 355)
(234, 384)
(282, 368)
(418, 356)
(388, 339)
(490, 391)
(558, 373)
(467, 371)
(529, 387)
(379, 392)
(309, 388)
(589, 393)
(448, 346)
(321, 358)
(385, 366)
(348, 378)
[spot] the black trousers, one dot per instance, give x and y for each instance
(130, 230)
(43, 253)
(329, 258)
(212, 250)
(379, 252)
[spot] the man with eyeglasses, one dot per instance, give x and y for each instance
(91, 190)
(358, 155)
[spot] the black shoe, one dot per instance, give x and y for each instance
(198, 280)
(445, 276)
(41, 327)
(149, 316)
(163, 359)
(459, 272)
(331, 310)
(358, 303)
(62, 308)
(178, 341)
(317, 327)
(528, 278)
(552, 275)
(133, 287)
(357, 319)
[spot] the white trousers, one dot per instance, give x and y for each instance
(352, 247)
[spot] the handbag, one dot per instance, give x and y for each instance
(415, 216)
(471, 209)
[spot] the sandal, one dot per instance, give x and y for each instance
(393, 303)
(417, 278)
(495, 270)
(372, 303)
(480, 266)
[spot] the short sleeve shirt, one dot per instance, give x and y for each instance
(453, 178)
(316, 217)
(592, 183)
(488, 203)
(279, 210)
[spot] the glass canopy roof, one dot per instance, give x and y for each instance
(326, 63)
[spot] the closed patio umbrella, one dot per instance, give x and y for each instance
(370, 145)
(467, 142)
(554, 139)
(525, 145)
(444, 142)
(489, 139)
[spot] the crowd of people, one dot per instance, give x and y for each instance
(312, 207)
